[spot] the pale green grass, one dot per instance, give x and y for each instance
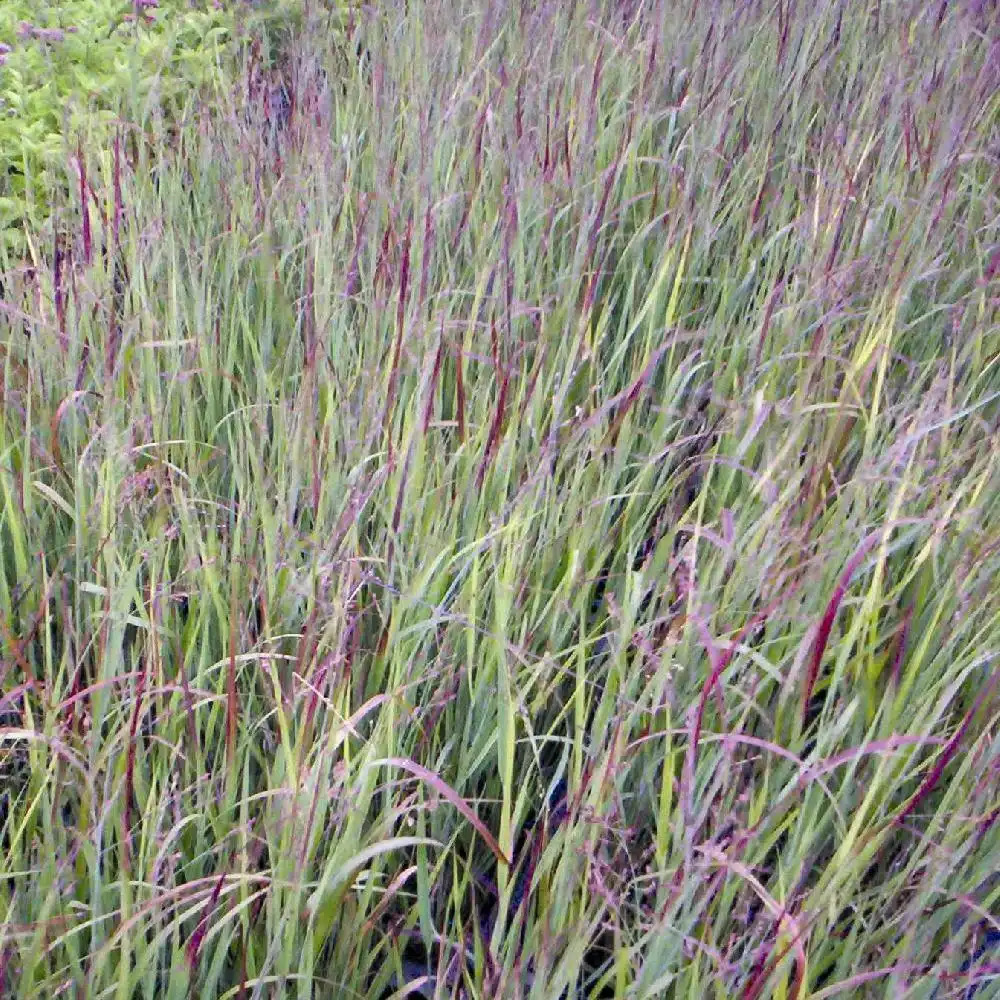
(601, 393)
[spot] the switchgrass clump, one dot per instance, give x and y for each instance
(523, 521)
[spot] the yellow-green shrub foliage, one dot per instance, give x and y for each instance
(69, 67)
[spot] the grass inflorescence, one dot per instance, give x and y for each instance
(516, 514)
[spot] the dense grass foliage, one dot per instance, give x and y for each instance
(518, 517)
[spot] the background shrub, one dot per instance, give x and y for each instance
(68, 68)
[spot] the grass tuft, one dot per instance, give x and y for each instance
(514, 514)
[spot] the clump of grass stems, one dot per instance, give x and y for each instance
(524, 524)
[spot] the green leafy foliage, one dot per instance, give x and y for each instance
(70, 68)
